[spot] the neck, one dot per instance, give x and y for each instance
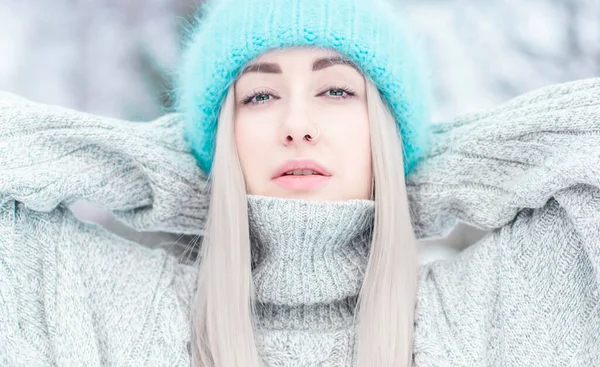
(308, 260)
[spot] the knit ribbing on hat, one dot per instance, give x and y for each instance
(230, 33)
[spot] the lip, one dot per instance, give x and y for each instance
(301, 182)
(308, 182)
(301, 164)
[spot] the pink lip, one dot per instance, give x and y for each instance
(300, 164)
(307, 182)
(301, 182)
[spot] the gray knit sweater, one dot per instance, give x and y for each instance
(527, 294)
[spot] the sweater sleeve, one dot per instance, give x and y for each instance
(527, 293)
(51, 157)
(141, 171)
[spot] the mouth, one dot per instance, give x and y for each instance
(303, 174)
(301, 168)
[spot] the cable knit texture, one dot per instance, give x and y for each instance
(308, 264)
(373, 34)
(73, 294)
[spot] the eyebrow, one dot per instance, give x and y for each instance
(319, 64)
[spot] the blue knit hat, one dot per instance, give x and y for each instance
(231, 33)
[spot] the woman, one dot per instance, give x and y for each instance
(300, 95)
(303, 271)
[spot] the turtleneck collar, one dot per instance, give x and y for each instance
(308, 259)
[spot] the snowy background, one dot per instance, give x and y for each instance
(113, 58)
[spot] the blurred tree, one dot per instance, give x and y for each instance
(159, 78)
(530, 44)
(90, 55)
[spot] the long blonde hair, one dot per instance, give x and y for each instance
(224, 313)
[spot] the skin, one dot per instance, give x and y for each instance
(280, 101)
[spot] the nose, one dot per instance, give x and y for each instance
(298, 128)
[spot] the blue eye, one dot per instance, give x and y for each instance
(339, 93)
(257, 97)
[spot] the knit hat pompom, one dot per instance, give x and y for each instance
(230, 33)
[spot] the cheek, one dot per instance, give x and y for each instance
(352, 127)
(353, 137)
(241, 139)
(245, 141)
(252, 146)
(359, 146)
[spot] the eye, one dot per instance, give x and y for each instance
(338, 92)
(258, 97)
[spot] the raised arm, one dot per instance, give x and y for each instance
(142, 171)
(528, 293)
(55, 270)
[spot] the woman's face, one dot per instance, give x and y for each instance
(282, 99)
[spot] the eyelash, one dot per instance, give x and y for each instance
(349, 94)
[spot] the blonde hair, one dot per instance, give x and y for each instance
(224, 313)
